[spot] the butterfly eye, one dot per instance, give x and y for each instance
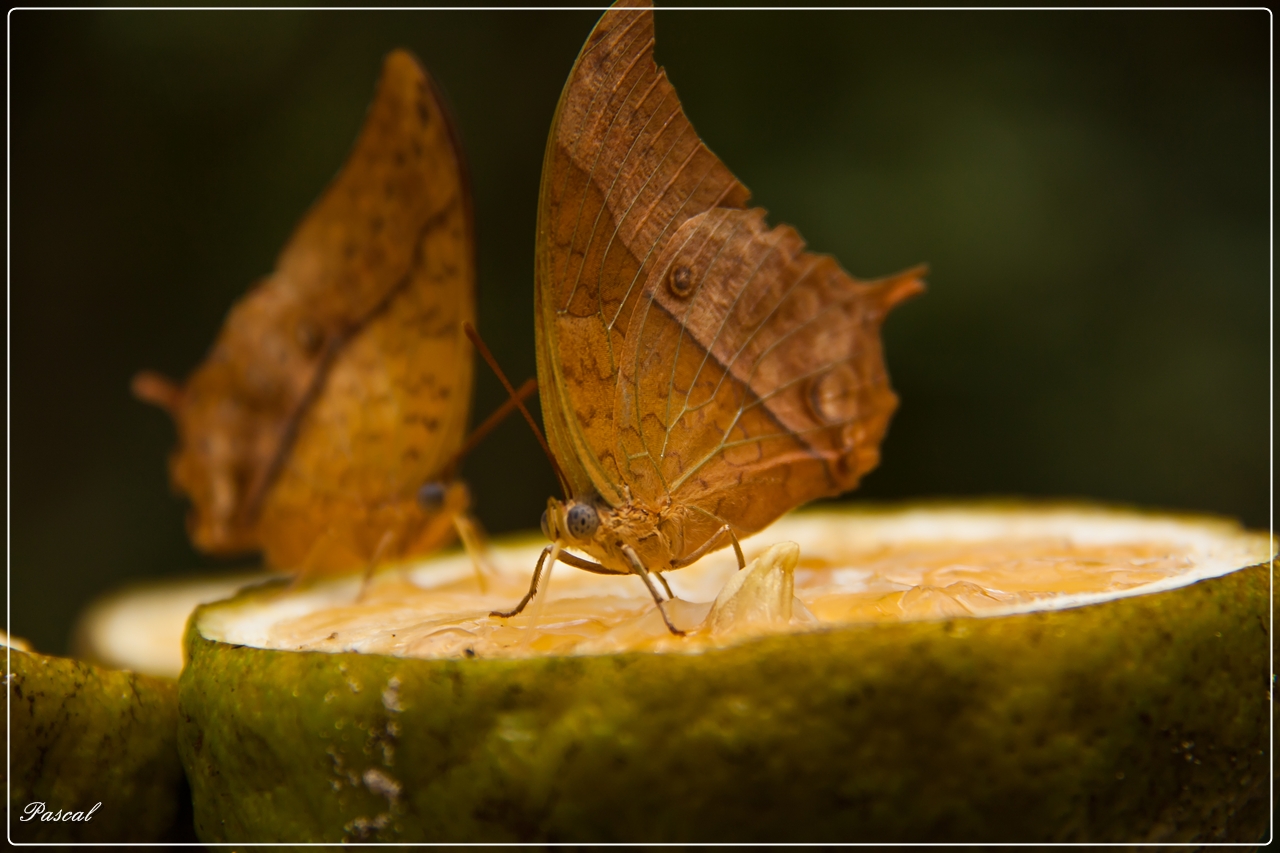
(431, 495)
(833, 396)
(546, 526)
(582, 521)
(680, 280)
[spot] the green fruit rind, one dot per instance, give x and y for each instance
(1138, 719)
(82, 735)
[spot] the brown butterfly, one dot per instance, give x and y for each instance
(701, 374)
(341, 384)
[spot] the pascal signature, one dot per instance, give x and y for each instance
(39, 811)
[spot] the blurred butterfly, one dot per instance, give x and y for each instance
(701, 373)
(320, 426)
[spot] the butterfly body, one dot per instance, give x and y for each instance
(701, 373)
(342, 381)
(650, 533)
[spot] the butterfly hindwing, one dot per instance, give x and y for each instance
(753, 379)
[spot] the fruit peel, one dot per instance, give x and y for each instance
(1138, 719)
(82, 735)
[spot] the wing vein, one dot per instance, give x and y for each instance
(595, 162)
(582, 205)
(728, 367)
(693, 297)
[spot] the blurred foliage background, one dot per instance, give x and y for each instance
(1089, 188)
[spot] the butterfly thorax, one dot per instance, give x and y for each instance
(611, 535)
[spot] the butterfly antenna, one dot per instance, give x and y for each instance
(524, 392)
(506, 383)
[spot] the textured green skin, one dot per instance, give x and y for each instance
(82, 735)
(980, 730)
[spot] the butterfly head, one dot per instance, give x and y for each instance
(574, 521)
(438, 496)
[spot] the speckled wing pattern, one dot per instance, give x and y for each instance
(623, 169)
(752, 378)
(342, 381)
(395, 404)
(690, 355)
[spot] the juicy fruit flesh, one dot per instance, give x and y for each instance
(857, 566)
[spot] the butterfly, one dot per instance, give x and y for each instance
(701, 373)
(338, 390)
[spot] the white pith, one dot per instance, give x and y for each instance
(140, 629)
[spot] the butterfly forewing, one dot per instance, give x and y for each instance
(624, 168)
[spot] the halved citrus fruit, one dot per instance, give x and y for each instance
(939, 673)
(140, 626)
(93, 756)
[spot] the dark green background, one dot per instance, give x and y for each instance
(1090, 189)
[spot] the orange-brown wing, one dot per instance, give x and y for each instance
(752, 377)
(623, 170)
(384, 255)
(393, 408)
(744, 375)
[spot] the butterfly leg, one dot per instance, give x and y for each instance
(711, 544)
(473, 542)
(309, 569)
(533, 587)
(378, 552)
(653, 590)
(666, 586)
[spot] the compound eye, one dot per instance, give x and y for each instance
(431, 495)
(546, 528)
(582, 521)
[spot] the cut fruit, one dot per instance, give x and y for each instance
(9, 641)
(1114, 688)
(95, 747)
(140, 627)
(853, 567)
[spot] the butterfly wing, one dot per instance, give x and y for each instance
(342, 382)
(753, 379)
(623, 169)
(745, 375)
(395, 403)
